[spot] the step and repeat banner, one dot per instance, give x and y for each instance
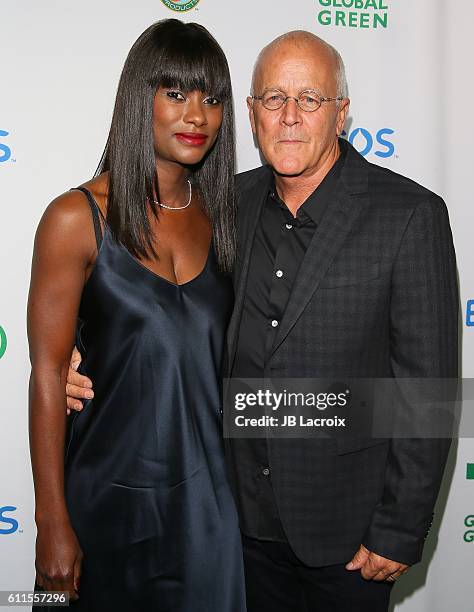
(409, 67)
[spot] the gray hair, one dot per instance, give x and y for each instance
(308, 37)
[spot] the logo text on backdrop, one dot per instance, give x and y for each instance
(180, 5)
(8, 524)
(470, 313)
(5, 151)
(366, 141)
(3, 342)
(368, 14)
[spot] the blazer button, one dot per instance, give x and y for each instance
(266, 472)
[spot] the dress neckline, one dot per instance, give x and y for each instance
(162, 278)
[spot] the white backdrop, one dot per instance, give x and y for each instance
(410, 89)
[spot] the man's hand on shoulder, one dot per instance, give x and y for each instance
(374, 567)
(78, 387)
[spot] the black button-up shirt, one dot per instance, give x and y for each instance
(280, 243)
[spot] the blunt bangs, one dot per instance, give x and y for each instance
(192, 60)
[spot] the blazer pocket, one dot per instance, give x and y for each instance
(346, 444)
(359, 275)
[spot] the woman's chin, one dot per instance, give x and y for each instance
(190, 158)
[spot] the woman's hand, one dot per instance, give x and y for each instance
(58, 559)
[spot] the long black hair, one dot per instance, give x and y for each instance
(169, 53)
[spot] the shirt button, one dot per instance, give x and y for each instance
(279, 273)
(274, 323)
(289, 226)
(266, 472)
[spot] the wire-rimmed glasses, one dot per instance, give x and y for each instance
(308, 100)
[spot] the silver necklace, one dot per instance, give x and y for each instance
(177, 207)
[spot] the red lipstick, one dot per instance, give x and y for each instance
(191, 138)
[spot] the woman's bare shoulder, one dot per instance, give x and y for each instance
(99, 188)
(67, 222)
(71, 210)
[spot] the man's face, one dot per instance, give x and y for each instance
(295, 142)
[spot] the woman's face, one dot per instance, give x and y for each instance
(185, 125)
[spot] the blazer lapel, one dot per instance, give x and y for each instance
(338, 220)
(247, 221)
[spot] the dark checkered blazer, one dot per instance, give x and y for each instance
(376, 296)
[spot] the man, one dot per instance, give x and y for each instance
(344, 269)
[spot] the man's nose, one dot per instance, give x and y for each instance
(291, 113)
(195, 113)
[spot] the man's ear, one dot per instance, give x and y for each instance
(251, 112)
(342, 115)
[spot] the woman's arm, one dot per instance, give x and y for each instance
(63, 255)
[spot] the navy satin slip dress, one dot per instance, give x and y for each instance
(146, 483)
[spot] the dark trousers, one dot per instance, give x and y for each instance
(276, 581)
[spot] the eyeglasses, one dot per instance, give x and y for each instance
(308, 100)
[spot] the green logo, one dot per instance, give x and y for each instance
(3, 342)
(469, 522)
(180, 5)
(368, 14)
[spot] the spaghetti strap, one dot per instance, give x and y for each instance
(96, 214)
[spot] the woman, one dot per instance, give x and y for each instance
(133, 508)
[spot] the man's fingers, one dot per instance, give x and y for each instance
(79, 380)
(359, 559)
(368, 572)
(78, 388)
(375, 567)
(379, 568)
(73, 404)
(396, 575)
(75, 358)
(383, 574)
(78, 391)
